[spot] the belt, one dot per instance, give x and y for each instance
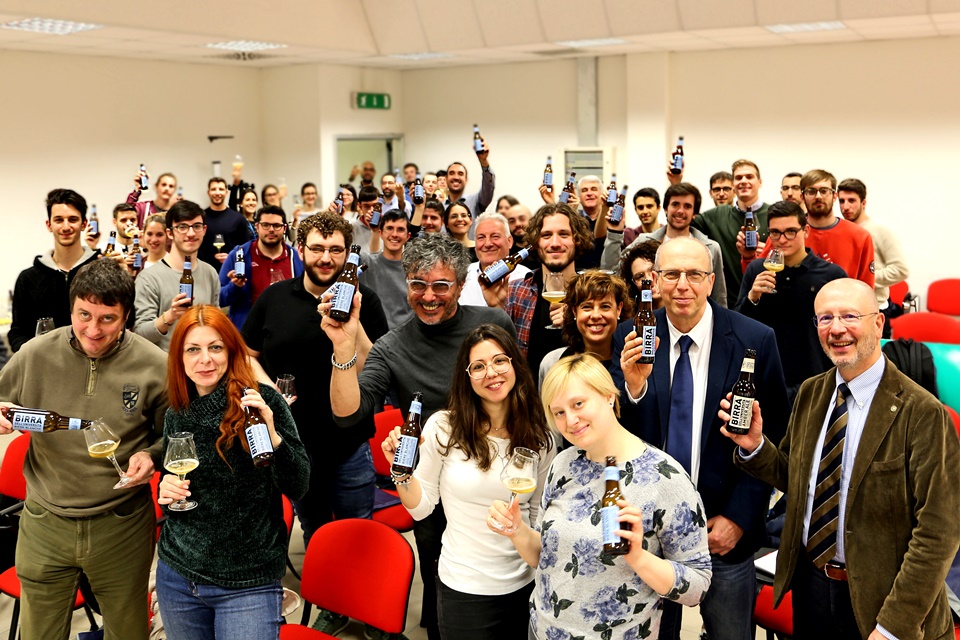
(833, 570)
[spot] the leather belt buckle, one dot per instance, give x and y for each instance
(835, 571)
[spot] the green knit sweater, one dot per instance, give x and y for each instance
(236, 537)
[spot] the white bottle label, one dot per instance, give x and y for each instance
(741, 412)
(94, 227)
(187, 289)
(751, 239)
(649, 345)
(646, 295)
(548, 179)
(258, 437)
(616, 214)
(478, 145)
(343, 297)
(608, 518)
(138, 260)
(406, 451)
(497, 270)
(564, 196)
(748, 366)
(27, 421)
(240, 268)
(75, 423)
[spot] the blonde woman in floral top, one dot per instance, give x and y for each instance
(580, 592)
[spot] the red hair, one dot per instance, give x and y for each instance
(239, 373)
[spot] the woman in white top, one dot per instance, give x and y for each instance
(484, 585)
(154, 239)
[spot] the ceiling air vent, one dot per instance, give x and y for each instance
(243, 56)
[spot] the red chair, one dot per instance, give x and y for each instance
(358, 568)
(397, 516)
(955, 417)
(943, 296)
(900, 294)
(926, 327)
(288, 521)
(776, 622)
(14, 485)
(157, 509)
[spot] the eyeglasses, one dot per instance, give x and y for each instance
(693, 277)
(334, 251)
(271, 226)
(791, 234)
(439, 287)
(791, 187)
(822, 191)
(478, 368)
(183, 227)
(721, 189)
(847, 319)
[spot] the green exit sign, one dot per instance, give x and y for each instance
(372, 100)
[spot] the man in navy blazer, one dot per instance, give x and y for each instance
(696, 335)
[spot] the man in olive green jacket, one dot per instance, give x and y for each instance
(897, 477)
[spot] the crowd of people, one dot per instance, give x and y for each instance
(513, 326)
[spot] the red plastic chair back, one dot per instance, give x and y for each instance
(943, 296)
(779, 620)
(955, 417)
(361, 569)
(287, 514)
(12, 482)
(385, 422)
(899, 291)
(926, 327)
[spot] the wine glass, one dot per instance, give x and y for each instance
(774, 263)
(286, 388)
(44, 325)
(276, 275)
(554, 290)
(181, 458)
(219, 242)
(519, 475)
(101, 443)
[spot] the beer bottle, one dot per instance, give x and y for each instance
(646, 324)
(137, 255)
(750, 232)
(258, 437)
(239, 266)
(477, 140)
(144, 179)
(378, 211)
(568, 189)
(186, 280)
(503, 268)
(616, 213)
(548, 175)
(94, 221)
(111, 244)
(612, 191)
(744, 393)
(37, 420)
(179, 193)
(418, 190)
(338, 202)
(676, 165)
(342, 300)
(406, 453)
(609, 511)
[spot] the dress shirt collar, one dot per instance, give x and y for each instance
(864, 386)
(699, 334)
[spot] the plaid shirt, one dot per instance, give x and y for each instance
(521, 305)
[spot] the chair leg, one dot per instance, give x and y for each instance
(93, 621)
(293, 569)
(307, 609)
(15, 619)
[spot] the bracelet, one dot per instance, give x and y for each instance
(400, 479)
(345, 365)
(164, 321)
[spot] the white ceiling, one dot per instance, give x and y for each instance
(368, 32)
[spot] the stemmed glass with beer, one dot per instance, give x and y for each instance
(181, 458)
(101, 443)
(519, 475)
(554, 291)
(774, 263)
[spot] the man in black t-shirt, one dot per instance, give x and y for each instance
(223, 221)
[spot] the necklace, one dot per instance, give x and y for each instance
(491, 428)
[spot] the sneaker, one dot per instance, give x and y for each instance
(330, 623)
(372, 633)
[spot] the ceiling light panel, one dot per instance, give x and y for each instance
(50, 27)
(806, 27)
(246, 45)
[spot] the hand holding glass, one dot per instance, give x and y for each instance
(774, 263)
(519, 476)
(181, 458)
(101, 443)
(286, 388)
(554, 291)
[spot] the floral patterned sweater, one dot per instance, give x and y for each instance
(582, 593)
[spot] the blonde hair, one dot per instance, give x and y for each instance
(589, 369)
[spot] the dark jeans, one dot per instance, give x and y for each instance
(464, 616)
(428, 533)
(821, 606)
(727, 609)
(341, 491)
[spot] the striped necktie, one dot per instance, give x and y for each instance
(825, 515)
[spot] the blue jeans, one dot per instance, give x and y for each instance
(192, 611)
(727, 609)
(344, 490)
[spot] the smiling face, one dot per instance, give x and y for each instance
(853, 349)
(493, 242)
(590, 193)
(746, 182)
(271, 197)
(518, 216)
(249, 204)
(166, 188)
(205, 358)
(684, 301)
(556, 247)
(309, 195)
(97, 327)
(394, 235)
(583, 415)
(189, 241)
(493, 388)
(429, 183)
(721, 192)
(388, 185)
(155, 238)
(458, 221)
(430, 306)
(65, 224)
(456, 178)
(596, 321)
(217, 192)
(323, 258)
(646, 209)
(432, 221)
(680, 212)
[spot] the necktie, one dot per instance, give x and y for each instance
(825, 514)
(680, 424)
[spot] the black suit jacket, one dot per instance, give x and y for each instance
(724, 489)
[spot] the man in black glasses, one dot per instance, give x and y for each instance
(784, 300)
(266, 261)
(700, 349)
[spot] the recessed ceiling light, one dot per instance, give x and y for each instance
(420, 56)
(53, 27)
(245, 45)
(805, 27)
(595, 42)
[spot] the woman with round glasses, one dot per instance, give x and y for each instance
(492, 409)
(457, 221)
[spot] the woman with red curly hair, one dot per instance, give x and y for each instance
(220, 564)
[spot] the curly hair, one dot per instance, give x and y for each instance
(592, 284)
(435, 249)
(326, 223)
(582, 236)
